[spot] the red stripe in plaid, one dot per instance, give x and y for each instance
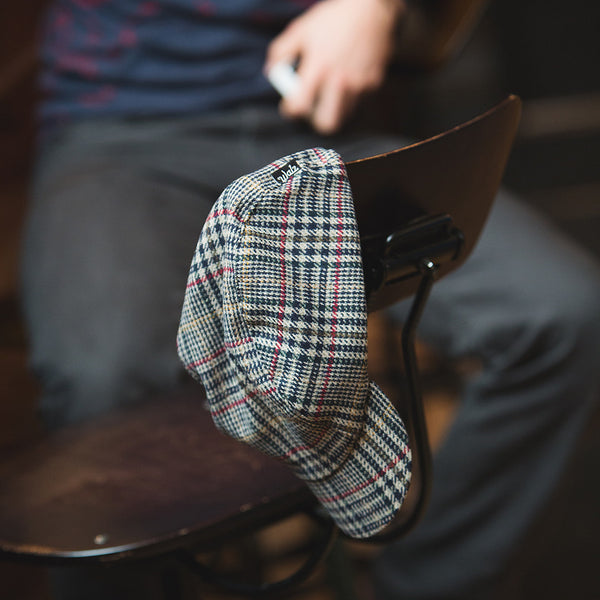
(293, 451)
(223, 409)
(220, 411)
(364, 484)
(219, 352)
(320, 155)
(224, 211)
(209, 276)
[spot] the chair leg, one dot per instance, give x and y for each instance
(340, 572)
(171, 583)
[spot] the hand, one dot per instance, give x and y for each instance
(343, 48)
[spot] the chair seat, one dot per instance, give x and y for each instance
(139, 483)
(161, 476)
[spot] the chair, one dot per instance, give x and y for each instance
(160, 480)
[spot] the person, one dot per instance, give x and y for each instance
(152, 107)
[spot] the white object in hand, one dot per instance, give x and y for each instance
(284, 79)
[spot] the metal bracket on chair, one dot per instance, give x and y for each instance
(417, 250)
(398, 256)
(414, 414)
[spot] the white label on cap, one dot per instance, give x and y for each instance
(288, 170)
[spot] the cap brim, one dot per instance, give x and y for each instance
(365, 493)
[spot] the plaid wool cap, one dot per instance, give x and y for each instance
(274, 325)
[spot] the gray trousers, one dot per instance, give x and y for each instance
(117, 207)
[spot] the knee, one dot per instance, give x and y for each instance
(77, 387)
(554, 339)
(81, 385)
(571, 315)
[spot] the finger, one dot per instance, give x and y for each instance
(335, 102)
(301, 103)
(286, 47)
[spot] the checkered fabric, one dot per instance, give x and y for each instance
(274, 325)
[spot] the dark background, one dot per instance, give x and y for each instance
(548, 52)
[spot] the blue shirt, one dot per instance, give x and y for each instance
(156, 57)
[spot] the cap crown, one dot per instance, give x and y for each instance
(274, 318)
